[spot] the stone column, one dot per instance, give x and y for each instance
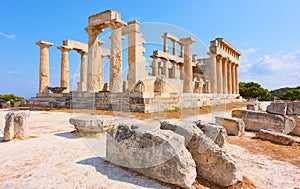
(165, 43)
(224, 72)
(219, 76)
(181, 71)
(64, 69)
(154, 66)
(159, 68)
(212, 72)
(116, 81)
(229, 77)
(44, 66)
(81, 86)
(188, 69)
(181, 50)
(165, 67)
(174, 70)
(100, 76)
(174, 47)
(237, 78)
(93, 60)
(233, 79)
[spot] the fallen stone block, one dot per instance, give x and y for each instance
(213, 131)
(252, 107)
(20, 125)
(213, 163)
(93, 124)
(277, 108)
(278, 138)
(9, 127)
(238, 113)
(296, 130)
(233, 126)
(293, 108)
(255, 121)
(158, 154)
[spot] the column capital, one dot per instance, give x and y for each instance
(187, 41)
(44, 44)
(64, 48)
(93, 30)
(81, 52)
(225, 60)
(117, 24)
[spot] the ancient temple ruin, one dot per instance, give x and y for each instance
(175, 81)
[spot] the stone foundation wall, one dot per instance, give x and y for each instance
(130, 102)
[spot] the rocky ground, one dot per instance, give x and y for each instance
(54, 157)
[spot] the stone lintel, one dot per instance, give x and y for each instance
(103, 17)
(64, 48)
(76, 45)
(172, 37)
(170, 57)
(44, 43)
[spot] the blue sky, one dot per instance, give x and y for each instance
(266, 31)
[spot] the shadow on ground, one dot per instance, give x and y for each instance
(69, 135)
(116, 173)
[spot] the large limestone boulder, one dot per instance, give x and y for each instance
(213, 163)
(296, 130)
(293, 108)
(255, 121)
(252, 107)
(160, 155)
(20, 125)
(213, 131)
(238, 113)
(278, 138)
(277, 108)
(9, 127)
(93, 124)
(233, 126)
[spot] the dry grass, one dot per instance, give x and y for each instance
(279, 152)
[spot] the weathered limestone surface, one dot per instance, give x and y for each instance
(93, 124)
(293, 108)
(15, 126)
(238, 113)
(160, 155)
(296, 130)
(213, 131)
(277, 108)
(278, 138)
(255, 121)
(213, 163)
(253, 107)
(20, 126)
(233, 126)
(9, 127)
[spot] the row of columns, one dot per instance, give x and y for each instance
(174, 42)
(225, 75)
(64, 76)
(164, 70)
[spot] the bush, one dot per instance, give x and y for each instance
(250, 90)
(291, 95)
(12, 98)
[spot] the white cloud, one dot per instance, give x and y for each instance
(281, 61)
(13, 72)
(8, 36)
(245, 64)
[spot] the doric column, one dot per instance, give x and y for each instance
(64, 69)
(181, 71)
(229, 77)
(237, 78)
(100, 76)
(44, 66)
(116, 81)
(174, 70)
(174, 47)
(93, 60)
(233, 79)
(165, 42)
(81, 86)
(212, 72)
(154, 66)
(224, 72)
(188, 67)
(159, 68)
(181, 50)
(165, 68)
(219, 75)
